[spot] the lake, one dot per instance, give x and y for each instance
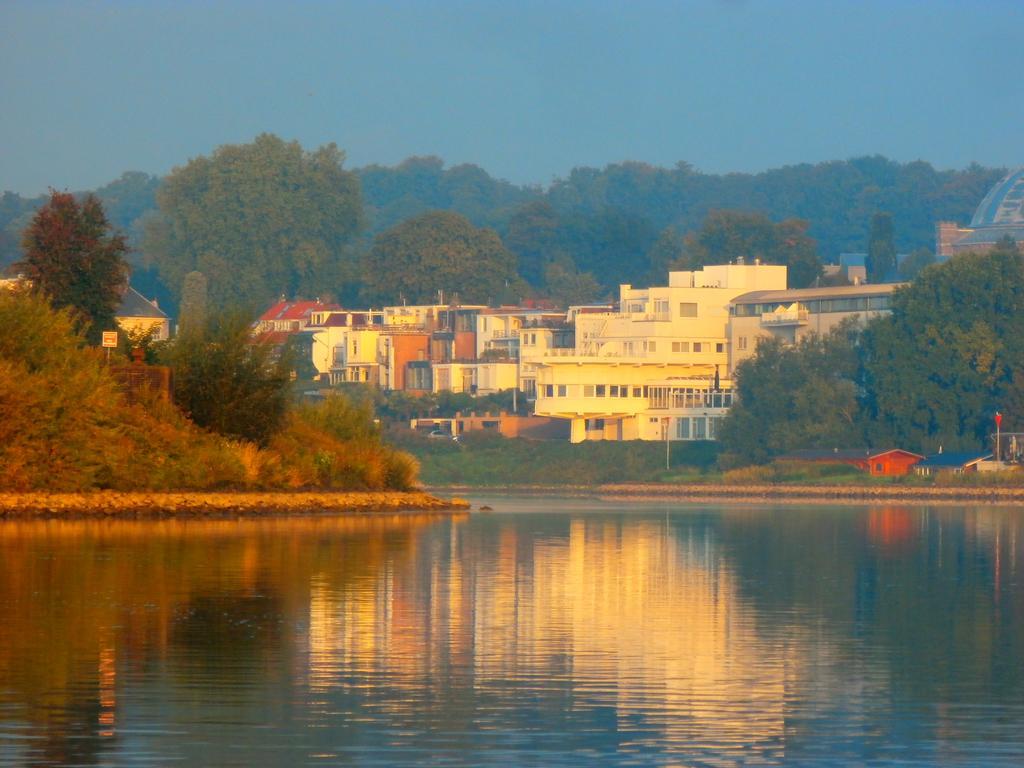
(554, 632)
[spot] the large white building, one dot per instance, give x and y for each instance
(655, 369)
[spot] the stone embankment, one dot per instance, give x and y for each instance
(818, 493)
(223, 504)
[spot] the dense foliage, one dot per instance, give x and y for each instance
(228, 382)
(66, 426)
(258, 220)
(951, 354)
(726, 237)
(931, 374)
(73, 257)
(438, 251)
(792, 397)
(577, 240)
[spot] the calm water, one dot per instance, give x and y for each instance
(549, 632)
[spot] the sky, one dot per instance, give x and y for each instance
(527, 90)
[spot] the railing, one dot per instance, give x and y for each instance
(559, 352)
(784, 318)
(505, 335)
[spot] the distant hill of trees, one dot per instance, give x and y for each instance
(586, 233)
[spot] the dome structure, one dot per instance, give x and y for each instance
(1003, 206)
(1001, 214)
(1004, 203)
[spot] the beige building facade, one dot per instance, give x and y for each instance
(790, 315)
(636, 374)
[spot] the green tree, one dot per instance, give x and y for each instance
(728, 236)
(438, 251)
(73, 257)
(193, 301)
(536, 235)
(915, 262)
(881, 248)
(950, 354)
(567, 285)
(795, 396)
(259, 220)
(228, 382)
(668, 253)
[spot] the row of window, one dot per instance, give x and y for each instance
(678, 347)
(661, 308)
(658, 397)
(692, 427)
(818, 306)
(684, 428)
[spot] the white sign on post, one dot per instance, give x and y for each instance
(110, 339)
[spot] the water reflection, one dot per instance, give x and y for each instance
(592, 635)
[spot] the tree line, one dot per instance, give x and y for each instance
(269, 218)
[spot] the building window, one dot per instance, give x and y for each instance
(688, 309)
(595, 425)
(714, 422)
(549, 390)
(683, 429)
(599, 390)
(623, 391)
(637, 392)
(652, 346)
(700, 429)
(719, 347)
(680, 346)
(588, 390)
(613, 390)
(561, 390)
(661, 308)
(741, 342)
(698, 346)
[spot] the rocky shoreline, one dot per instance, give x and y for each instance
(775, 492)
(819, 493)
(112, 504)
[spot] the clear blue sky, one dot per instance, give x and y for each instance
(528, 90)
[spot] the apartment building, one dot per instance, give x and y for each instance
(790, 315)
(654, 369)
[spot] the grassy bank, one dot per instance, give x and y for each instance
(489, 461)
(485, 460)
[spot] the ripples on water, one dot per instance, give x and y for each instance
(548, 633)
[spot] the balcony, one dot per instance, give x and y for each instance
(505, 335)
(790, 317)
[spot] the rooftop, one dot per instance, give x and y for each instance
(824, 292)
(841, 454)
(294, 310)
(1003, 206)
(939, 460)
(134, 304)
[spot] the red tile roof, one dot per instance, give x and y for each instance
(295, 310)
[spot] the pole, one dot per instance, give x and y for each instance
(999, 423)
(667, 422)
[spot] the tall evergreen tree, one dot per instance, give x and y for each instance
(881, 248)
(74, 258)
